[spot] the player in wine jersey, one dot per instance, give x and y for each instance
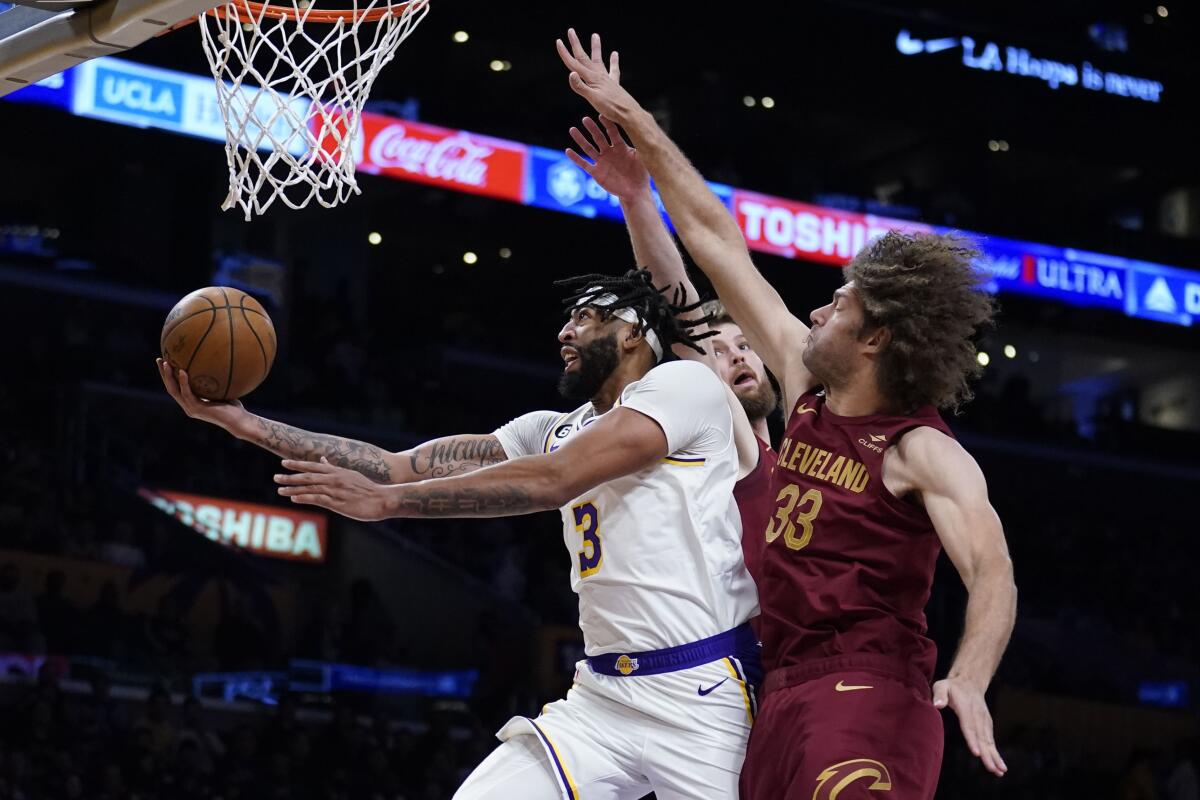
(869, 486)
(615, 166)
(643, 473)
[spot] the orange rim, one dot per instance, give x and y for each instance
(248, 11)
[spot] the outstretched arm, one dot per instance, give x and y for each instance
(621, 442)
(451, 455)
(954, 493)
(709, 233)
(616, 167)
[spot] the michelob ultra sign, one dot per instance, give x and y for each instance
(260, 529)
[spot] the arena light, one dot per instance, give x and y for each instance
(1010, 351)
(496, 65)
(505, 253)
(461, 36)
(983, 358)
(469, 257)
(768, 102)
(1162, 11)
(749, 101)
(993, 145)
(374, 237)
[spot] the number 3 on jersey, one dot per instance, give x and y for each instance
(587, 522)
(790, 497)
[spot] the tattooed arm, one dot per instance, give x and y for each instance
(621, 442)
(453, 455)
(439, 458)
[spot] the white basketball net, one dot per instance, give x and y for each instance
(292, 93)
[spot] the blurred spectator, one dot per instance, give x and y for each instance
(369, 633)
(122, 548)
(1183, 780)
(18, 614)
(157, 723)
(105, 625)
(82, 541)
(280, 731)
(100, 718)
(204, 748)
(1138, 782)
(57, 615)
(239, 642)
(165, 635)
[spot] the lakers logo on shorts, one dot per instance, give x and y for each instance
(626, 665)
(833, 780)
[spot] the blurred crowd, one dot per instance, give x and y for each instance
(91, 745)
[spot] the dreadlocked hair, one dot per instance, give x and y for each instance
(635, 289)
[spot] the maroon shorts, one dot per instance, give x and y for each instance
(821, 733)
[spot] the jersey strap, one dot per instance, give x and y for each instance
(740, 642)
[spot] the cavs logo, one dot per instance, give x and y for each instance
(835, 779)
(626, 665)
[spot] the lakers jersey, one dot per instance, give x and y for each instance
(656, 556)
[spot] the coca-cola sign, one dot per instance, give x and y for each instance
(457, 160)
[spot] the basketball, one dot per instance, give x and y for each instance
(223, 339)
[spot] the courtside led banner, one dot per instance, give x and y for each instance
(465, 162)
(814, 233)
(260, 529)
(131, 94)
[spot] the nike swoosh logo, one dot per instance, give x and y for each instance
(700, 690)
(804, 409)
(841, 687)
(908, 45)
(938, 45)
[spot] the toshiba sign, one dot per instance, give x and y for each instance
(262, 530)
(815, 233)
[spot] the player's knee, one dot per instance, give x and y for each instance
(517, 768)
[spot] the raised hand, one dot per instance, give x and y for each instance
(593, 82)
(225, 414)
(973, 716)
(319, 483)
(614, 164)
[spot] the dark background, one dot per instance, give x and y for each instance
(1088, 437)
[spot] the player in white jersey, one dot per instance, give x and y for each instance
(643, 474)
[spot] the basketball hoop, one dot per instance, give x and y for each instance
(291, 84)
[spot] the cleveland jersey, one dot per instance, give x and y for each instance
(656, 556)
(753, 496)
(848, 567)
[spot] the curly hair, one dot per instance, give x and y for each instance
(635, 289)
(925, 289)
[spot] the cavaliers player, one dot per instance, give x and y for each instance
(615, 166)
(869, 484)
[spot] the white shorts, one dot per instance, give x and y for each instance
(679, 734)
